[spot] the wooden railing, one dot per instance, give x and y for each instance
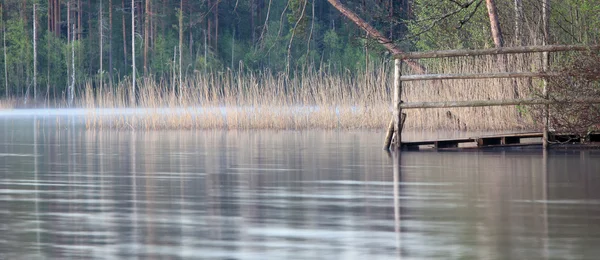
(395, 128)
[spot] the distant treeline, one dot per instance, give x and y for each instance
(184, 37)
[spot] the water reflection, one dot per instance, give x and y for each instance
(70, 193)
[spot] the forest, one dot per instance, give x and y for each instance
(51, 45)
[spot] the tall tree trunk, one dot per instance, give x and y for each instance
(132, 97)
(72, 85)
(101, 31)
(124, 33)
(57, 18)
(47, 54)
(494, 23)
(216, 13)
(180, 46)
(68, 20)
(79, 12)
(110, 32)
(518, 21)
(4, 50)
(146, 29)
(375, 34)
(34, 53)
(90, 30)
(546, 20)
(391, 14)
(252, 22)
(209, 24)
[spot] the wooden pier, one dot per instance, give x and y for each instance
(523, 140)
(393, 139)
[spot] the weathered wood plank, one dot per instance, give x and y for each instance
(485, 103)
(397, 102)
(493, 51)
(495, 75)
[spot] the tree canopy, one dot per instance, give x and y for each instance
(279, 36)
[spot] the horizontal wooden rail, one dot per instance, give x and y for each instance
(493, 51)
(480, 76)
(485, 103)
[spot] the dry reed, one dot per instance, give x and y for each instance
(316, 99)
(7, 104)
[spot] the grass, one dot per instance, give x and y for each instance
(7, 104)
(315, 99)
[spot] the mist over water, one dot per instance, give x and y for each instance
(67, 192)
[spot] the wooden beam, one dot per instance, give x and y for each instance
(387, 142)
(494, 75)
(397, 102)
(485, 103)
(493, 51)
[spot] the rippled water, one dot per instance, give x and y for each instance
(68, 193)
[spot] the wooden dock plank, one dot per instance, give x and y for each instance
(496, 141)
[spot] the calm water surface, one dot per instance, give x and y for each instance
(69, 193)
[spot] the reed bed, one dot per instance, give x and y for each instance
(7, 104)
(315, 99)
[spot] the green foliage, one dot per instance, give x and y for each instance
(457, 31)
(259, 35)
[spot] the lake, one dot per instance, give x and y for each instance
(71, 193)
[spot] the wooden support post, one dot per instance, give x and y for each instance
(545, 66)
(397, 101)
(388, 136)
(546, 106)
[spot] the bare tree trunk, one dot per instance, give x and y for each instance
(518, 21)
(4, 49)
(90, 30)
(124, 32)
(34, 53)
(78, 31)
(146, 24)
(180, 47)
(48, 61)
(110, 54)
(375, 34)
(72, 86)
(546, 20)
(252, 22)
(265, 26)
(57, 18)
(132, 97)
(100, 25)
(312, 26)
(494, 23)
(68, 20)
(216, 14)
(209, 25)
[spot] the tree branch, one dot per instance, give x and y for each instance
(375, 34)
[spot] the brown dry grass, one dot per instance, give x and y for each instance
(317, 99)
(7, 104)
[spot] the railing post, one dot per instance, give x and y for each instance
(546, 116)
(545, 66)
(397, 101)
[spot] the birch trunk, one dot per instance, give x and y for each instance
(100, 24)
(180, 46)
(518, 21)
(110, 54)
(34, 54)
(72, 86)
(4, 49)
(132, 97)
(146, 24)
